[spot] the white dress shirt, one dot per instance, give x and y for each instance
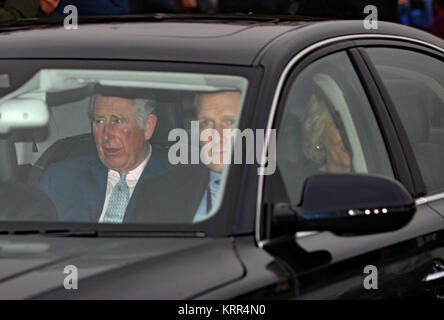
(131, 179)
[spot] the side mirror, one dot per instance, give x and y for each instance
(22, 113)
(347, 204)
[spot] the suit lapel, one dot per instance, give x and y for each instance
(199, 185)
(95, 192)
(185, 186)
(156, 165)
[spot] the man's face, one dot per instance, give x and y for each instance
(120, 142)
(218, 111)
(48, 6)
(338, 159)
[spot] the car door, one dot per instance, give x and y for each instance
(339, 86)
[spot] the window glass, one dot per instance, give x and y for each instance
(328, 126)
(415, 83)
(107, 146)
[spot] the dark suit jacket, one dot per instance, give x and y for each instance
(77, 187)
(173, 197)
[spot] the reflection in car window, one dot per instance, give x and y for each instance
(123, 146)
(328, 126)
(415, 83)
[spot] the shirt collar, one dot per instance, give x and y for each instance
(136, 172)
(214, 176)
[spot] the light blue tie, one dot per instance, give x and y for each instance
(118, 201)
(213, 188)
(209, 197)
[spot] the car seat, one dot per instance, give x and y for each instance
(8, 160)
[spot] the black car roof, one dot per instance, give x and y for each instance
(232, 41)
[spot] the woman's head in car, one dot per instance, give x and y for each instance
(322, 142)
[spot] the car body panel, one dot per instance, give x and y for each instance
(265, 276)
(148, 42)
(400, 270)
(438, 206)
(424, 221)
(203, 42)
(33, 267)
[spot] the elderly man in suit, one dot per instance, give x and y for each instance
(188, 193)
(102, 187)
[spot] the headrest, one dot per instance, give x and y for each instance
(410, 101)
(169, 116)
(289, 139)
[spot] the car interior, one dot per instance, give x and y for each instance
(26, 152)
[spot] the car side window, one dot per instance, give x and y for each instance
(415, 83)
(327, 126)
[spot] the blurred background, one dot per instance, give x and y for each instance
(424, 14)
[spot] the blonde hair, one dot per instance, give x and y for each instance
(312, 130)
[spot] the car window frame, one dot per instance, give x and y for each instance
(353, 134)
(300, 61)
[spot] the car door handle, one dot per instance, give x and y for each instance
(436, 273)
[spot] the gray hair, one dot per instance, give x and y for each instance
(312, 130)
(142, 109)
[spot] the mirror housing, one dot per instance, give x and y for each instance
(347, 204)
(22, 113)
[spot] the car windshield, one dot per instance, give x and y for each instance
(117, 147)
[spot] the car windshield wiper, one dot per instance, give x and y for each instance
(126, 234)
(50, 232)
(105, 233)
(83, 229)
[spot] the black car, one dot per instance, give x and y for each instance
(338, 195)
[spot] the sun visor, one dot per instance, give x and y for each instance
(72, 95)
(67, 96)
(123, 92)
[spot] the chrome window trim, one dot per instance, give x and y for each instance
(278, 91)
(428, 199)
